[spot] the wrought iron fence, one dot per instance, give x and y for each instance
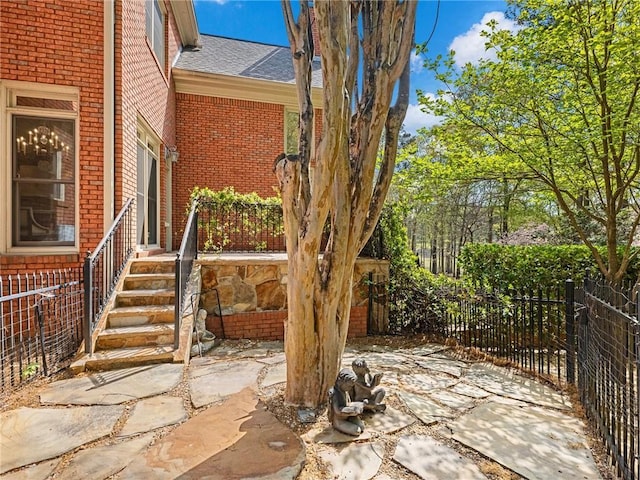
(608, 342)
(103, 267)
(240, 227)
(588, 334)
(41, 324)
(251, 227)
(527, 328)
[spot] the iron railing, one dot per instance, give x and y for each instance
(608, 334)
(588, 334)
(41, 324)
(240, 227)
(527, 328)
(253, 227)
(184, 263)
(103, 267)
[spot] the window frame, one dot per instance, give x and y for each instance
(152, 145)
(152, 9)
(9, 92)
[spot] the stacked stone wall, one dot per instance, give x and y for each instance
(251, 295)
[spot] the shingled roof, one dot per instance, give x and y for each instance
(240, 58)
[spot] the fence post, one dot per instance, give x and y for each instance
(88, 304)
(570, 330)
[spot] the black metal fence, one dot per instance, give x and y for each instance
(103, 267)
(252, 227)
(41, 324)
(240, 227)
(589, 335)
(608, 342)
(527, 328)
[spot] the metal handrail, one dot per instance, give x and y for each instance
(184, 263)
(103, 267)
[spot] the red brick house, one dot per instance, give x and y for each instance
(105, 101)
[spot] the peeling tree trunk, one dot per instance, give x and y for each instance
(348, 191)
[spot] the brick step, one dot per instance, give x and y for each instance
(136, 336)
(135, 298)
(147, 281)
(140, 315)
(151, 265)
(129, 357)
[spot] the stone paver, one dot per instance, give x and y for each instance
(102, 462)
(443, 366)
(425, 382)
(359, 461)
(431, 460)
(424, 408)
(115, 386)
(41, 471)
(211, 383)
(238, 439)
(276, 374)
(537, 443)
(30, 435)
(152, 413)
(506, 417)
(505, 383)
(469, 391)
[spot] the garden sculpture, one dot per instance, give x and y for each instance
(366, 387)
(344, 414)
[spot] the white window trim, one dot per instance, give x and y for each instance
(150, 39)
(148, 136)
(9, 91)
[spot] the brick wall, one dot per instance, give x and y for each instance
(224, 142)
(61, 42)
(270, 325)
(143, 89)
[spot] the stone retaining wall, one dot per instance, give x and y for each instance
(252, 290)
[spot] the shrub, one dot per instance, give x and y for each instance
(504, 267)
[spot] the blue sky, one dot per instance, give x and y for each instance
(458, 27)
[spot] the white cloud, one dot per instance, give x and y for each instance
(416, 118)
(470, 46)
(417, 62)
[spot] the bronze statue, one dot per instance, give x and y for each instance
(344, 414)
(366, 388)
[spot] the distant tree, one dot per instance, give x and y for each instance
(365, 52)
(562, 99)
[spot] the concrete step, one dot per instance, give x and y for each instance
(146, 281)
(136, 298)
(153, 265)
(128, 357)
(135, 336)
(140, 315)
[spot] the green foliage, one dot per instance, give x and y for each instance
(228, 197)
(225, 213)
(417, 298)
(504, 267)
(559, 104)
(30, 370)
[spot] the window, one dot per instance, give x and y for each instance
(41, 191)
(148, 188)
(155, 28)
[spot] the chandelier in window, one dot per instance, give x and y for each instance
(41, 140)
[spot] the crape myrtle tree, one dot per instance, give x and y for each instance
(562, 98)
(365, 51)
